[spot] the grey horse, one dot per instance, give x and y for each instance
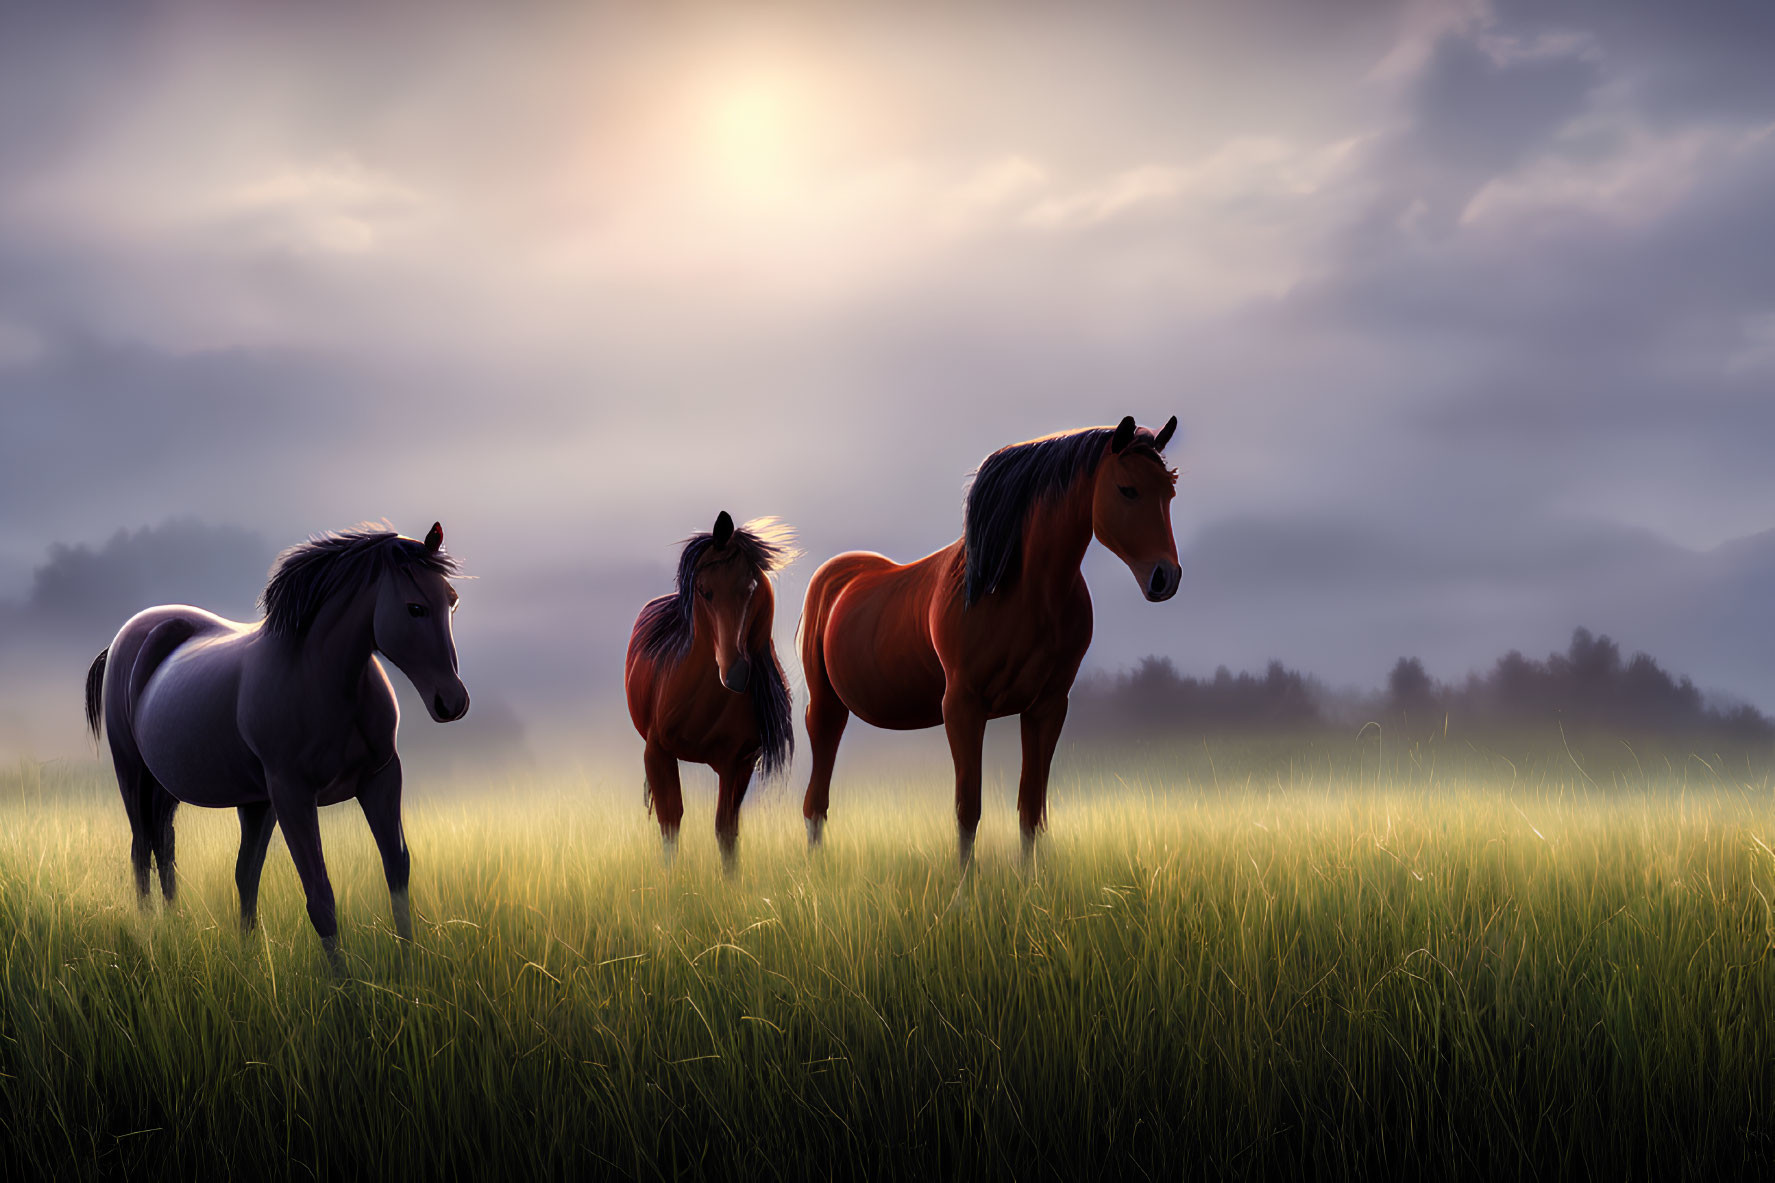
(278, 718)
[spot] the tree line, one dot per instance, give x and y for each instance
(1589, 687)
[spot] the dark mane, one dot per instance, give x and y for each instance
(774, 711)
(1010, 482)
(668, 624)
(307, 575)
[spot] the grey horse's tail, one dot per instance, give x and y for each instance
(95, 692)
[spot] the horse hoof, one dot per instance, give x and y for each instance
(816, 832)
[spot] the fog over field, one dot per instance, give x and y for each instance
(1467, 311)
(1428, 829)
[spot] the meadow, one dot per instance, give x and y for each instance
(1324, 958)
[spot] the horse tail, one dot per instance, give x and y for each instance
(95, 693)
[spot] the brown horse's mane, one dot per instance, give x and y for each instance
(305, 576)
(1008, 485)
(668, 623)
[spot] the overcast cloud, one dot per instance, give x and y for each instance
(1467, 310)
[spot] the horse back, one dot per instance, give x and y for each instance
(141, 647)
(171, 691)
(867, 631)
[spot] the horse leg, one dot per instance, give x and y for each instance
(735, 779)
(964, 721)
(299, 817)
(137, 786)
(141, 857)
(141, 848)
(162, 805)
(380, 799)
(666, 793)
(256, 824)
(1041, 733)
(826, 718)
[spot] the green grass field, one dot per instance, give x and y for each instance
(1231, 960)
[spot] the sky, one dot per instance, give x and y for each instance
(1466, 310)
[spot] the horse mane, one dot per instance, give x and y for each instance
(771, 704)
(1011, 482)
(668, 623)
(305, 576)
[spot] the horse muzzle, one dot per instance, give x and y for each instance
(1162, 581)
(737, 676)
(449, 709)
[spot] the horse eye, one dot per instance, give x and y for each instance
(418, 610)
(1129, 491)
(705, 593)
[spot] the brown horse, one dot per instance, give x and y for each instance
(702, 676)
(994, 624)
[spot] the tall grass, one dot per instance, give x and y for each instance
(1307, 962)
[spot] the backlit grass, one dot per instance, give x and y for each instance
(1310, 961)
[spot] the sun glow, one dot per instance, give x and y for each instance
(763, 129)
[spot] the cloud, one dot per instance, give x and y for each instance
(1644, 176)
(1464, 307)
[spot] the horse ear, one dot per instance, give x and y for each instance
(1165, 433)
(435, 538)
(723, 529)
(1124, 434)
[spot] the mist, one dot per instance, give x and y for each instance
(1464, 308)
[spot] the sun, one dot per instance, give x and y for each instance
(761, 129)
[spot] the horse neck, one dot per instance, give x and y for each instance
(1057, 535)
(339, 643)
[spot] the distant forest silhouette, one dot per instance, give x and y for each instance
(1589, 687)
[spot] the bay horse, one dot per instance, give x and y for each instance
(702, 677)
(994, 624)
(278, 718)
